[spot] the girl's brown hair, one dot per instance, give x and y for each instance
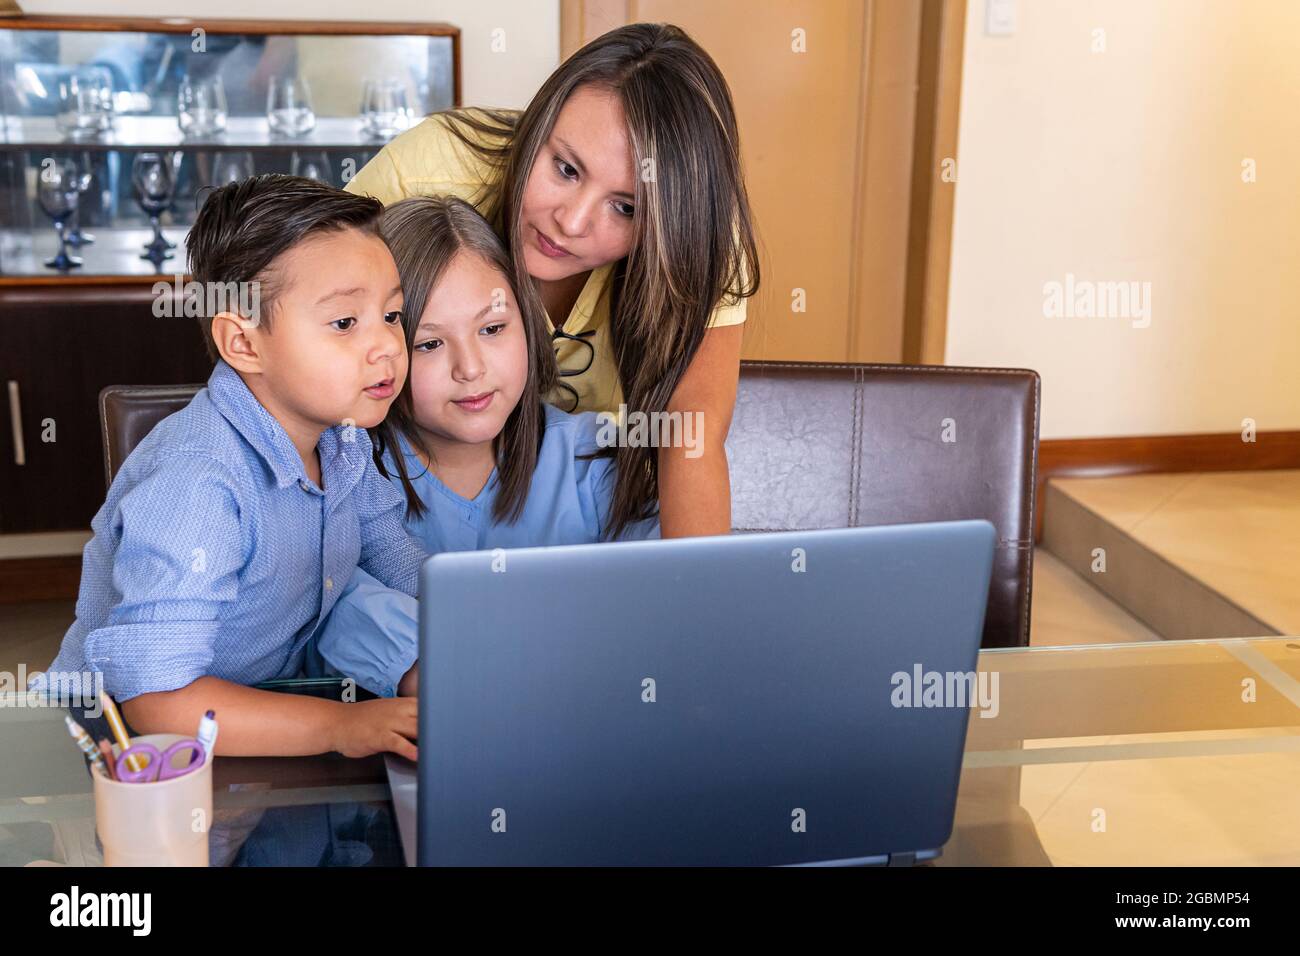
(425, 235)
(694, 243)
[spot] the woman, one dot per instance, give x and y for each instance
(619, 193)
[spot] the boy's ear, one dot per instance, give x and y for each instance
(237, 340)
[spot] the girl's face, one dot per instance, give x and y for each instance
(469, 359)
(578, 203)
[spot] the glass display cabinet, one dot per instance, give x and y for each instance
(111, 130)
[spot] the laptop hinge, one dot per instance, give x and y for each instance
(902, 859)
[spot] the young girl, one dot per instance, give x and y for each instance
(484, 464)
(619, 194)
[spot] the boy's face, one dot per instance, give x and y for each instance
(335, 353)
(469, 357)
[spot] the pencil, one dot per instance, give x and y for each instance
(106, 749)
(86, 744)
(119, 729)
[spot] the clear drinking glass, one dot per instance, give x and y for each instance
(85, 174)
(201, 105)
(85, 102)
(154, 178)
(385, 110)
(311, 165)
(58, 194)
(288, 106)
(231, 167)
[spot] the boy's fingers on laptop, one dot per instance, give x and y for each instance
(405, 716)
(404, 748)
(377, 726)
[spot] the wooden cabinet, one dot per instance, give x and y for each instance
(61, 345)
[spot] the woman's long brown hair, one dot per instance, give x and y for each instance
(693, 246)
(425, 234)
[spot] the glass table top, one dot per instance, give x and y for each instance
(1156, 754)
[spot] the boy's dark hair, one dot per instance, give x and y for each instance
(245, 225)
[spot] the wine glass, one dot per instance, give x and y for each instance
(288, 106)
(314, 165)
(85, 174)
(201, 105)
(154, 179)
(231, 167)
(57, 193)
(85, 102)
(384, 107)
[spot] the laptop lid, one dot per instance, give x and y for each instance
(733, 700)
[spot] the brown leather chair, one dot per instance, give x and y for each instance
(832, 446)
(129, 412)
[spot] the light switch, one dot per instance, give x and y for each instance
(999, 18)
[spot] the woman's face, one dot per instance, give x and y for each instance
(578, 203)
(469, 359)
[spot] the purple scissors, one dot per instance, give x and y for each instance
(159, 766)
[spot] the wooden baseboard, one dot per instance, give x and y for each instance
(40, 579)
(1144, 454)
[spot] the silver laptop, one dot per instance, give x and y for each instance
(736, 700)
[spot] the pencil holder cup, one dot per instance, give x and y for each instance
(158, 823)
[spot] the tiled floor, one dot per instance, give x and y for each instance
(1066, 609)
(1231, 810)
(1237, 532)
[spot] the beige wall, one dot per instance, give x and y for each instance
(509, 78)
(1126, 165)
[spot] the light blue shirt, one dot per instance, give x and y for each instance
(373, 633)
(215, 554)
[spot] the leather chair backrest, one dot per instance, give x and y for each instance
(832, 446)
(129, 412)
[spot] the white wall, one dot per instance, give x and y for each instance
(508, 78)
(1127, 165)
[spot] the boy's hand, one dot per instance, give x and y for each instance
(263, 723)
(377, 726)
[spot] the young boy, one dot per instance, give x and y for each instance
(230, 530)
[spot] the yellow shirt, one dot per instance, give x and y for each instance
(429, 160)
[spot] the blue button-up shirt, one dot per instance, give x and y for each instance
(373, 633)
(215, 554)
